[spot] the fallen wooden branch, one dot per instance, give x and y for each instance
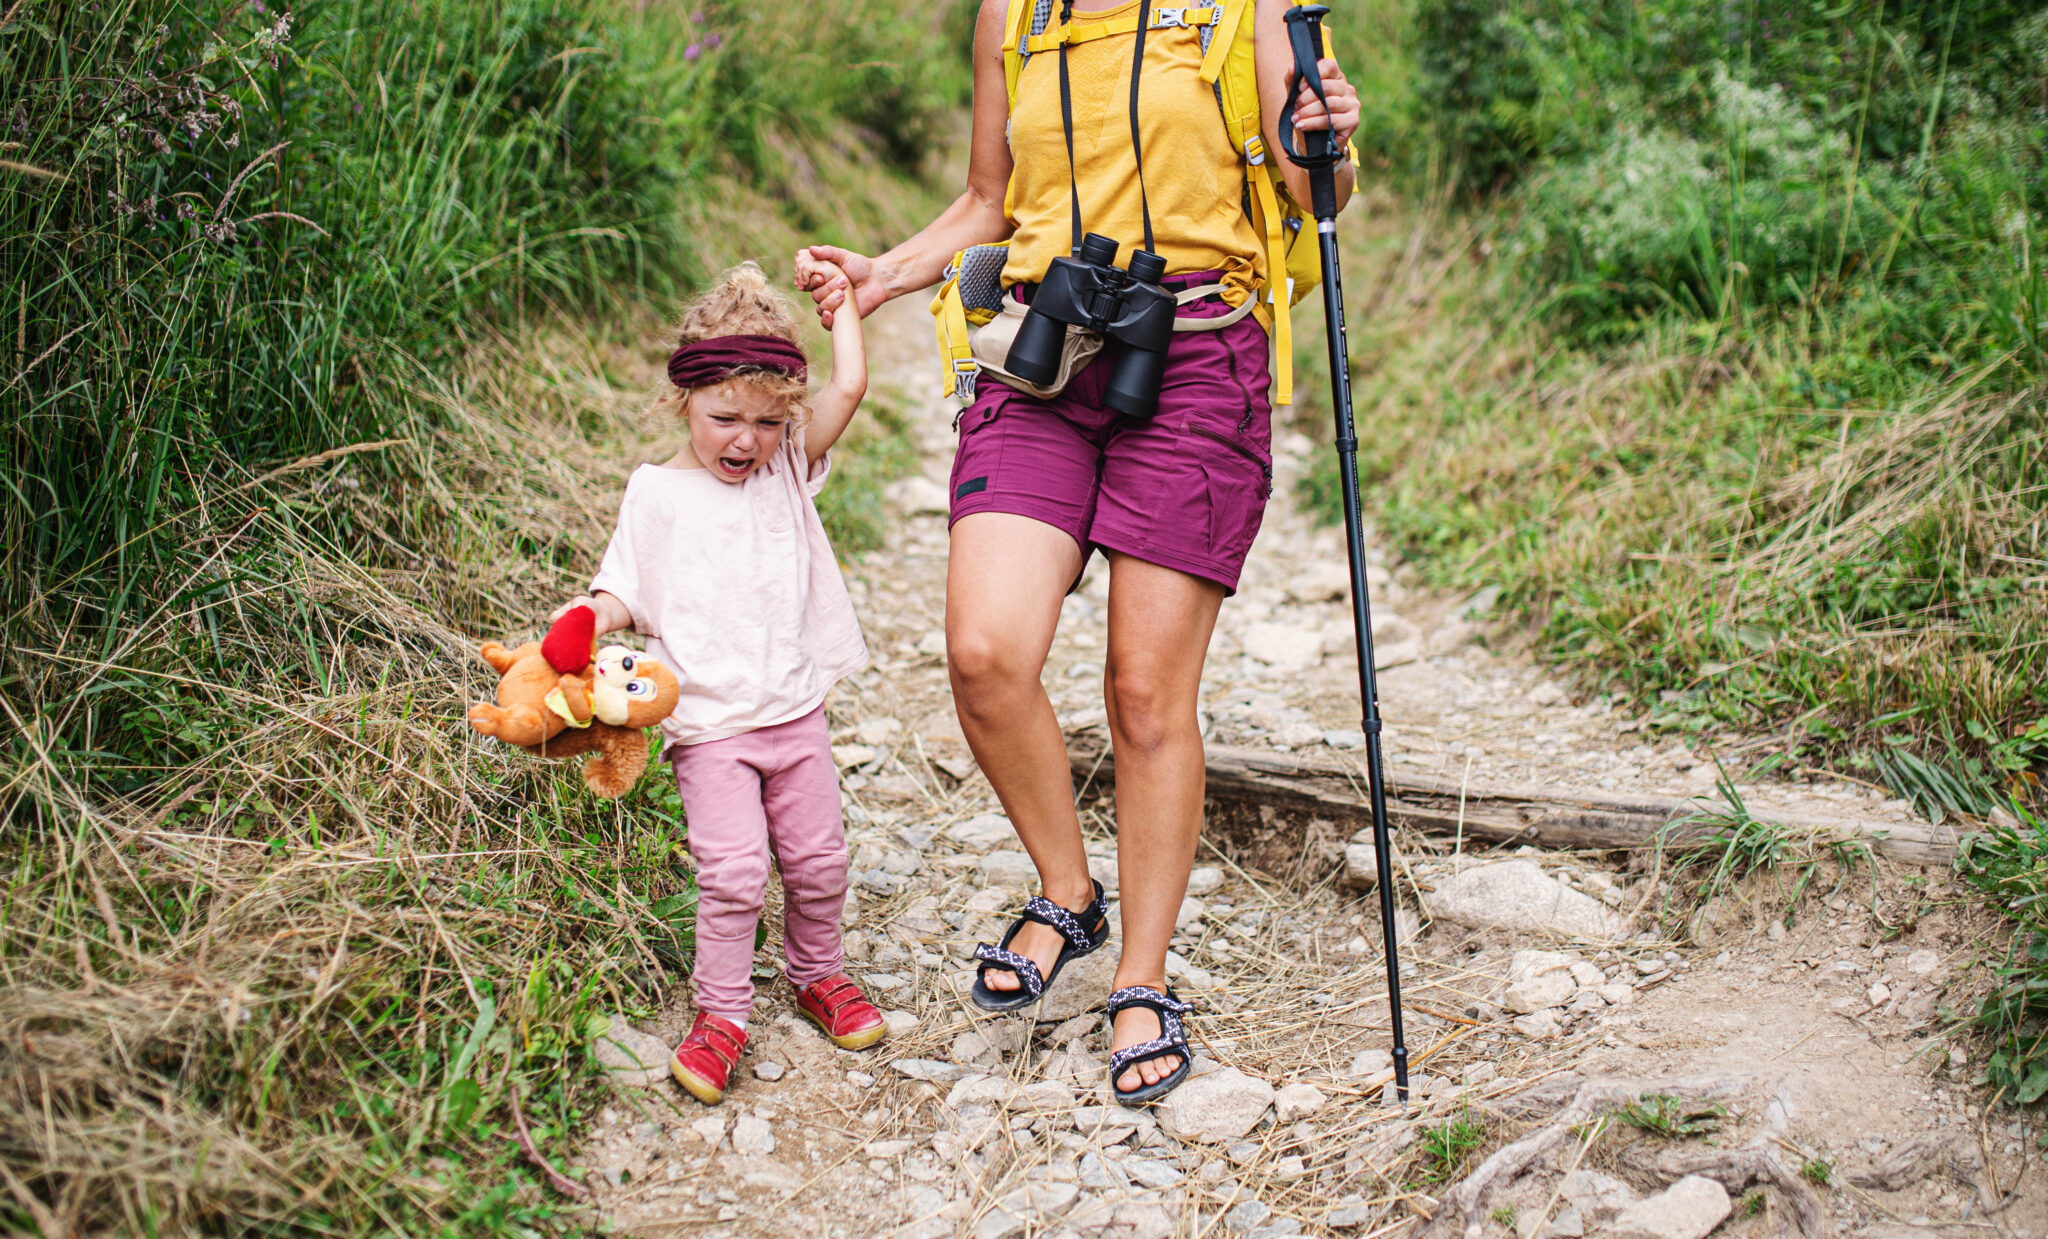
(1335, 787)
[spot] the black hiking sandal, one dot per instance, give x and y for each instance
(1084, 931)
(1172, 1039)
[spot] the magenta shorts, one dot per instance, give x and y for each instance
(1185, 490)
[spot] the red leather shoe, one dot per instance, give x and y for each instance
(842, 1012)
(704, 1062)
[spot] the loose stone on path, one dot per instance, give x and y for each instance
(1518, 895)
(1219, 1106)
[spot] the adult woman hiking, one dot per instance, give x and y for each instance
(1173, 500)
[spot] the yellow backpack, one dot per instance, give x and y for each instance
(972, 292)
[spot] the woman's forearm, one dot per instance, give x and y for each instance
(919, 262)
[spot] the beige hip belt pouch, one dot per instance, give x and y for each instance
(991, 342)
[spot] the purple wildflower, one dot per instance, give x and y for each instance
(697, 18)
(692, 52)
(714, 39)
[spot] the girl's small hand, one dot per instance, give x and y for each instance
(580, 600)
(814, 273)
(1342, 116)
(854, 273)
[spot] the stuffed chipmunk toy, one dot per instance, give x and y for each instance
(558, 698)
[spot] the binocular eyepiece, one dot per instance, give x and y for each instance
(1089, 292)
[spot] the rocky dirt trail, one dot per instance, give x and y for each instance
(1577, 1071)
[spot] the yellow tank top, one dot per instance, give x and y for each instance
(1194, 181)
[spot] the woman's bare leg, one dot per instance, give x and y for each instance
(1159, 626)
(1005, 578)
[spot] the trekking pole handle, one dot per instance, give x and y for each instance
(1321, 152)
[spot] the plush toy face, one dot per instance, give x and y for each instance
(629, 689)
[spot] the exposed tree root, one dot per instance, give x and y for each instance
(1465, 1206)
(556, 1179)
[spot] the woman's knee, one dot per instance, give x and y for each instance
(1148, 710)
(988, 669)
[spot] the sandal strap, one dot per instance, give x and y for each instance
(1145, 996)
(1145, 1051)
(1067, 924)
(1023, 965)
(1064, 923)
(1172, 1038)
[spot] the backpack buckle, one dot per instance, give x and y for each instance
(1255, 150)
(1169, 19)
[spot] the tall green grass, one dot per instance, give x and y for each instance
(322, 340)
(231, 235)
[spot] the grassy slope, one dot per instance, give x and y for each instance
(1741, 409)
(285, 950)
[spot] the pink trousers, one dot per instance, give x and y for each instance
(771, 791)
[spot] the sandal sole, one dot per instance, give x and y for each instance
(851, 1041)
(1009, 1000)
(1139, 1097)
(695, 1085)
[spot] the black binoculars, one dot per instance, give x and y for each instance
(1087, 291)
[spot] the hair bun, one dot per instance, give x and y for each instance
(740, 303)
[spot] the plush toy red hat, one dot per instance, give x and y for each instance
(572, 642)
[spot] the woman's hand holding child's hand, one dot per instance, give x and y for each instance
(824, 279)
(829, 273)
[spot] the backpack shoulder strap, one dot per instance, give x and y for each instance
(1196, 17)
(1025, 18)
(1236, 14)
(1231, 66)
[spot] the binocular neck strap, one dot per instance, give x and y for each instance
(1067, 122)
(1137, 153)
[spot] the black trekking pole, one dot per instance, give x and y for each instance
(1320, 157)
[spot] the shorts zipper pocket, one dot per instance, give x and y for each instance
(1265, 467)
(1244, 424)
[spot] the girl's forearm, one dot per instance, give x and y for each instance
(833, 407)
(849, 354)
(918, 263)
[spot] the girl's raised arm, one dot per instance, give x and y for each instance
(833, 407)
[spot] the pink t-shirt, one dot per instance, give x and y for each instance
(736, 589)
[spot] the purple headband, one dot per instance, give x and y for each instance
(717, 359)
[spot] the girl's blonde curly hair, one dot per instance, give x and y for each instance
(741, 303)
